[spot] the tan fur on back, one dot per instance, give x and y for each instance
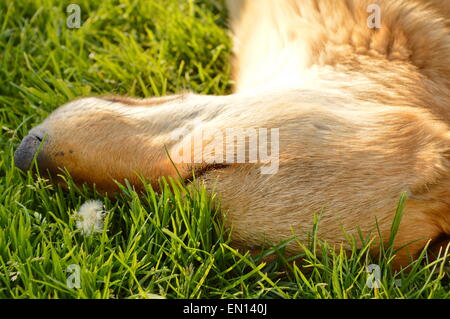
(279, 38)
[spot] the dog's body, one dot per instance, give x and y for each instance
(363, 116)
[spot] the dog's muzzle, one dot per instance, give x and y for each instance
(27, 150)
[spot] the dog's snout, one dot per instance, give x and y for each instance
(25, 153)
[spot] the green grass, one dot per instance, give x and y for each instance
(170, 244)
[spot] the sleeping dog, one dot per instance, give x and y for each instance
(339, 108)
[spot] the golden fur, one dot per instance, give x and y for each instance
(363, 116)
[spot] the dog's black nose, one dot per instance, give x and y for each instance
(24, 155)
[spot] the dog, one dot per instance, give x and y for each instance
(352, 96)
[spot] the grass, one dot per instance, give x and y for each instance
(157, 245)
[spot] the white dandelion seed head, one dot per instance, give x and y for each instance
(90, 217)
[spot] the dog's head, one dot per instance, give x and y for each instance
(98, 140)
